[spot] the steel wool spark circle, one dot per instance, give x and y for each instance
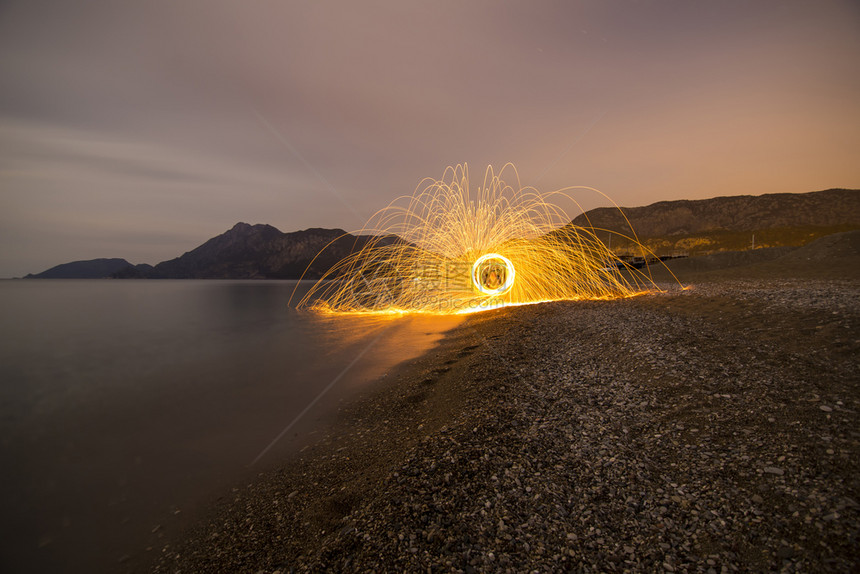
(452, 247)
(493, 274)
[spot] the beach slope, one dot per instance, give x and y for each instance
(709, 429)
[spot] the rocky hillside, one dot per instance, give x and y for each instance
(729, 223)
(256, 252)
(666, 228)
(90, 269)
(243, 252)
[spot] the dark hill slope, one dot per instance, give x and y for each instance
(90, 269)
(729, 223)
(835, 256)
(735, 213)
(258, 252)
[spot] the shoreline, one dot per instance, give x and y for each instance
(710, 429)
(701, 430)
(360, 445)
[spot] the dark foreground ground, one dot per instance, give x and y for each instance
(714, 429)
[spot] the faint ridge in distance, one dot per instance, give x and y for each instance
(694, 227)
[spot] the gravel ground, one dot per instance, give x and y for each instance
(714, 429)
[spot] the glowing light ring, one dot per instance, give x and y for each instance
(423, 253)
(478, 281)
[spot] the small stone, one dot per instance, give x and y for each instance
(773, 470)
(825, 408)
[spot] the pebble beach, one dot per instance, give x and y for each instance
(709, 429)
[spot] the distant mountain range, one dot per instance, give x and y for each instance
(729, 223)
(696, 226)
(256, 252)
(243, 252)
(92, 269)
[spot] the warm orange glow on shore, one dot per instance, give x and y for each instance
(462, 251)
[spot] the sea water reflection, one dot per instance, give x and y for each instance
(122, 402)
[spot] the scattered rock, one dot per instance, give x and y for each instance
(636, 435)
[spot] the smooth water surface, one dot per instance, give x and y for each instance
(125, 403)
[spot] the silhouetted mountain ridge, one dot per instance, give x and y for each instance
(89, 269)
(244, 251)
(258, 252)
(698, 227)
(731, 213)
(695, 226)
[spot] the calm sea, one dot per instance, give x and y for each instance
(124, 404)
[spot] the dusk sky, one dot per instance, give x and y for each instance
(141, 129)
